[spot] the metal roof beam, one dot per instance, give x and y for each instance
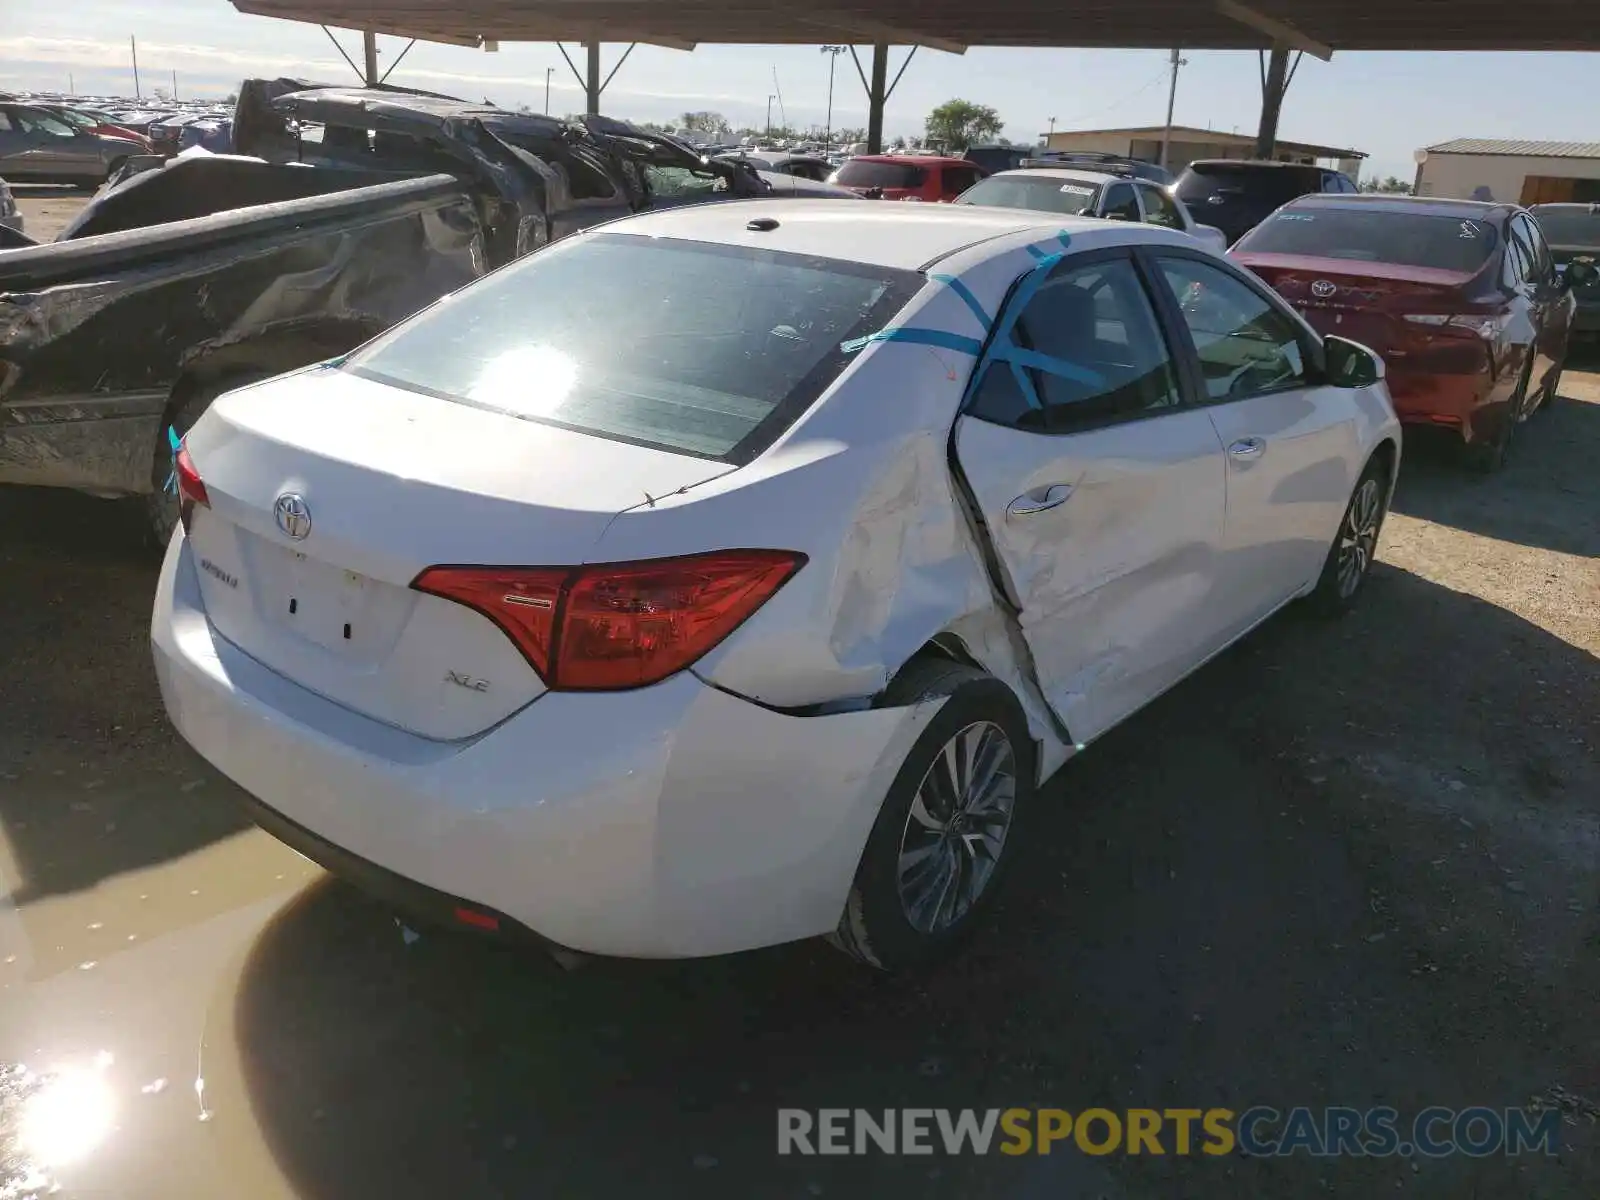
(877, 31)
(1274, 29)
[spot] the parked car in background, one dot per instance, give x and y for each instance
(926, 177)
(1460, 298)
(996, 158)
(1237, 195)
(166, 136)
(801, 166)
(1094, 161)
(1089, 193)
(816, 613)
(210, 134)
(93, 122)
(39, 147)
(1573, 231)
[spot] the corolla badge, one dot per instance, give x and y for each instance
(1323, 288)
(294, 517)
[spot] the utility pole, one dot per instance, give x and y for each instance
(369, 45)
(770, 99)
(133, 47)
(174, 83)
(548, 71)
(833, 53)
(1172, 99)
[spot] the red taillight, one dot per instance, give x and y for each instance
(191, 490)
(618, 625)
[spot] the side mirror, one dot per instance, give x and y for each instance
(1350, 364)
(1580, 272)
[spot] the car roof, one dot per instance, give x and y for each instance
(1076, 174)
(1254, 163)
(1581, 207)
(906, 237)
(1437, 206)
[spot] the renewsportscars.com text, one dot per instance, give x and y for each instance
(1261, 1131)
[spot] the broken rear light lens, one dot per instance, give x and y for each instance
(614, 626)
(191, 490)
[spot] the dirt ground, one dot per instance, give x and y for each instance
(46, 208)
(1346, 864)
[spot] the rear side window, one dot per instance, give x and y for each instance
(1445, 243)
(685, 346)
(1097, 322)
(865, 173)
(955, 180)
(1121, 203)
(1159, 208)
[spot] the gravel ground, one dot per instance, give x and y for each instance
(1349, 863)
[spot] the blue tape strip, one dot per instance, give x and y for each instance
(1002, 348)
(175, 443)
(967, 298)
(916, 337)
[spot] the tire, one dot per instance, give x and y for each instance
(897, 917)
(161, 503)
(1355, 546)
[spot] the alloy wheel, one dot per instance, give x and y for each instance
(1358, 538)
(956, 828)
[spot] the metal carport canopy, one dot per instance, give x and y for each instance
(1318, 27)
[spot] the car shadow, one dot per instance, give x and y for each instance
(93, 780)
(1544, 496)
(1238, 897)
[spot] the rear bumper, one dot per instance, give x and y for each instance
(1448, 401)
(671, 821)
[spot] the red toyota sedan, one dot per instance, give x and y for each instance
(1460, 298)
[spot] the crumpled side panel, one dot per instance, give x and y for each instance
(95, 333)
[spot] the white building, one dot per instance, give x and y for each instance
(1515, 171)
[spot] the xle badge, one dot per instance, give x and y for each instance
(467, 681)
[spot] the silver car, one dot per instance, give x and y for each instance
(38, 147)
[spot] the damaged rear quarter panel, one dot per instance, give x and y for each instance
(96, 332)
(863, 487)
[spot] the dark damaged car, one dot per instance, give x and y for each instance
(345, 211)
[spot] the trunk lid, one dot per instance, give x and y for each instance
(390, 482)
(1376, 303)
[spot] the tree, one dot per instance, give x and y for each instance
(1393, 185)
(713, 123)
(961, 123)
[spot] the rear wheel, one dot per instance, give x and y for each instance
(1488, 455)
(1350, 558)
(947, 832)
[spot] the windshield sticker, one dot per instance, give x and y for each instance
(1470, 230)
(1077, 189)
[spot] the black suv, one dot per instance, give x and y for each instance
(1237, 195)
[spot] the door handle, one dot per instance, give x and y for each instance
(1039, 500)
(1250, 447)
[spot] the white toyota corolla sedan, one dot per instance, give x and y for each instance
(735, 574)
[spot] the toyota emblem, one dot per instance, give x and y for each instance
(1323, 288)
(294, 517)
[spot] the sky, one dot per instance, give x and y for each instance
(1388, 104)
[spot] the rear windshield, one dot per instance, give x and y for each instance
(1369, 235)
(1575, 227)
(1201, 181)
(862, 173)
(686, 346)
(1031, 191)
